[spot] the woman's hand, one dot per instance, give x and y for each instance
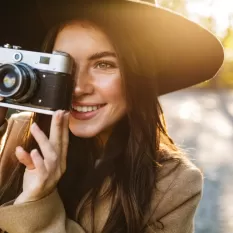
(42, 174)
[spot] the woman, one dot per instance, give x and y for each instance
(108, 165)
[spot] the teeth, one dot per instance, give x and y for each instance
(86, 108)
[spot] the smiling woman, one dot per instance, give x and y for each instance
(109, 164)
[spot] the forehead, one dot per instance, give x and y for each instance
(82, 37)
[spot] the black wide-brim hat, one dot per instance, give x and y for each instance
(188, 54)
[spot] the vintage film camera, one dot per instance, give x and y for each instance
(34, 81)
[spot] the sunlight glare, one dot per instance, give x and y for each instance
(220, 10)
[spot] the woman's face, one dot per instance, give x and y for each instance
(98, 101)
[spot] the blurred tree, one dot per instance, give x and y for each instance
(226, 76)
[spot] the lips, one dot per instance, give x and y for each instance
(86, 108)
(85, 112)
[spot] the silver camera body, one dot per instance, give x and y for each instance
(35, 81)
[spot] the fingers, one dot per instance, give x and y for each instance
(59, 135)
(56, 129)
(47, 149)
(47, 169)
(65, 141)
(38, 161)
(32, 160)
(24, 158)
(54, 149)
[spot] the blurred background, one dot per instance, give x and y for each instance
(200, 119)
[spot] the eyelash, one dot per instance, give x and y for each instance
(107, 63)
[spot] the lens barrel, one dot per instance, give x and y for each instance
(18, 82)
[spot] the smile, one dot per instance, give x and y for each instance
(85, 112)
(87, 108)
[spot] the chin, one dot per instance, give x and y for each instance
(82, 133)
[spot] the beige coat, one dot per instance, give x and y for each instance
(173, 206)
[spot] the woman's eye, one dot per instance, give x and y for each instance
(105, 65)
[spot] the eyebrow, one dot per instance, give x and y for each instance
(102, 54)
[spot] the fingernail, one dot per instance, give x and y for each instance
(34, 126)
(59, 114)
(19, 149)
(66, 113)
(34, 151)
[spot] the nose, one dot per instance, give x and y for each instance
(83, 83)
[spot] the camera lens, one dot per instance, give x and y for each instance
(17, 82)
(9, 80)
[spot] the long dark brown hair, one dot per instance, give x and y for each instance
(132, 154)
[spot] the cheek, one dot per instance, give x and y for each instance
(111, 89)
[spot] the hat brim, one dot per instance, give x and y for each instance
(189, 54)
